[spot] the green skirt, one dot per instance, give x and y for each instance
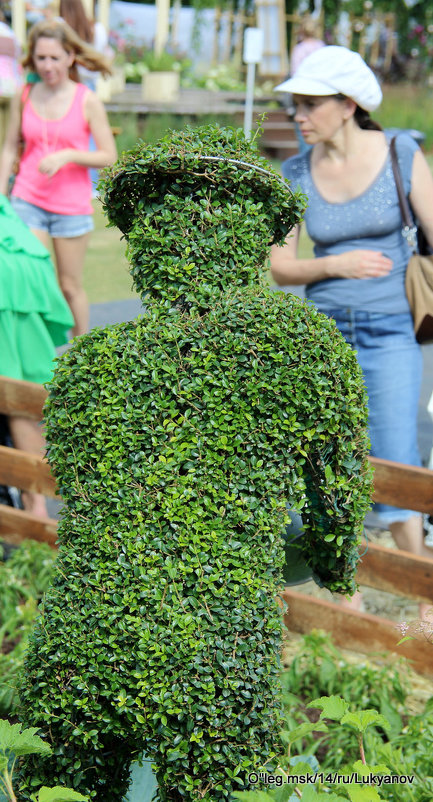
(34, 316)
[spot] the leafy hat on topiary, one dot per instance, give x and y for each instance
(210, 181)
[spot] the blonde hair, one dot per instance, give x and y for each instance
(84, 54)
(309, 28)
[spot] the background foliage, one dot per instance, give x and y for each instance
(23, 580)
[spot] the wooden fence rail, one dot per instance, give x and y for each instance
(385, 569)
(21, 398)
(392, 570)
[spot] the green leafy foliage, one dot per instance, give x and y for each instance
(151, 62)
(333, 707)
(357, 781)
(366, 718)
(363, 794)
(375, 703)
(319, 668)
(16, 743)
(176, 440)
(23, 579)
(21, 742)
(59, 794)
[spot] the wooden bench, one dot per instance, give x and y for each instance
(385, 569)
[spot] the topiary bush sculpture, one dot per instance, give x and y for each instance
(176, 440)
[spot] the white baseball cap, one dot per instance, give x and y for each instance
(333, 70)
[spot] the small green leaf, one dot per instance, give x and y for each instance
(366, 768)
(328, 473)
(290, 736)
(25, 742)
(406, 638)
(365, 718)
(59, 794)
(363, 793)
(333, 707)
(285, 793)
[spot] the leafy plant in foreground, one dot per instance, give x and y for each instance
(405, 746)
(359, 780)
(24, 577)
(15, 743)
(320, 668)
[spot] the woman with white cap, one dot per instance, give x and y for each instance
(360, 256)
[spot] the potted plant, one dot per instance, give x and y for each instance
(160, 80)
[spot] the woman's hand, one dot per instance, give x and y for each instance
(52, 163)
(361, 264)
(287, 269)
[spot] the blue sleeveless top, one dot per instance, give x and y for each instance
(371, 221)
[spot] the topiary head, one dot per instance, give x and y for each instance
(200, 210)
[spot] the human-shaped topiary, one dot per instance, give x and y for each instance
(176, 440)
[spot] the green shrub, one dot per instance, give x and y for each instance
(23, 579)
(176, 440)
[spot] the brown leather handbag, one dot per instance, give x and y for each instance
(419, 273)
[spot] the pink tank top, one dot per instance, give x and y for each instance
(69, 190)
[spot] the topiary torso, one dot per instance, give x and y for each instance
(176, 440)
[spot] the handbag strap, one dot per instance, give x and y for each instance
(409, 229)
(25, 93)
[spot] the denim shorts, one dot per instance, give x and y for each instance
(391, 361)
(57, 225)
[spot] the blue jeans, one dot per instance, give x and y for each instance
(391, 362)
(57, 225)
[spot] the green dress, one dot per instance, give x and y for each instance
(34, 316)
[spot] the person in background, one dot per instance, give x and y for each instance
(34, 320)
(308, 41)
(38, 10)
(91, 31)
(360, 255)
(94, 33)
(52, 188)
(11, 73)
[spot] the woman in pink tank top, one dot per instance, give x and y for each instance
(55, 118)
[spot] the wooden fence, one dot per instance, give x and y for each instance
(391, 570)
(382, 568)
(24, 470)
